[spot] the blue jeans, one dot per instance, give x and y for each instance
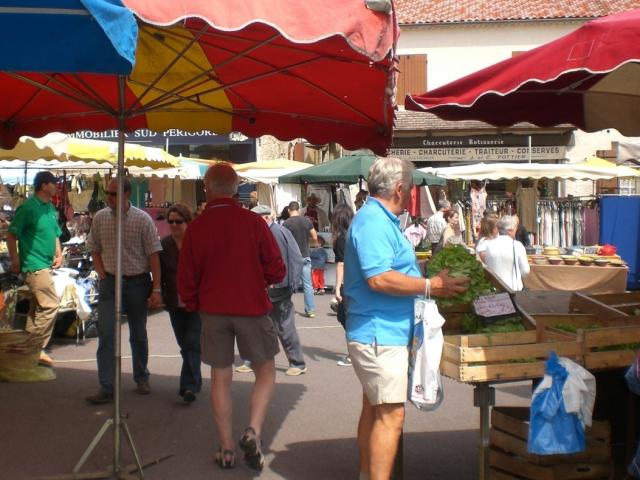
(134, 303)
(187, 326)
(309, 302)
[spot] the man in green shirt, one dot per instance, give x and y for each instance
(35, 231)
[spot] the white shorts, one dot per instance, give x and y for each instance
(383, 371)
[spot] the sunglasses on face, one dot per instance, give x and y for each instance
(112, 194)
(176, 222)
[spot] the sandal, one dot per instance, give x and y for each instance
(225, 458)
(251, 446)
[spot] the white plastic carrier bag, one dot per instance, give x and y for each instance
(425, 382)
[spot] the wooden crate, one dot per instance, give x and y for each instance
(520, 468)
(503, 356)
(615, 344)
(628, 302)
(510, 459)
(510, 430)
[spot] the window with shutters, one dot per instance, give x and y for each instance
(412, 78)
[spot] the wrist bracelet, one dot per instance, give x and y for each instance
(427, 288)
(157, 290)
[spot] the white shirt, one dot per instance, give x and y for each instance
(415, 234)
(435, 226)
(507, 259)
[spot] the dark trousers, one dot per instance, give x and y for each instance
(134, 303)
(187, 327)
(283, 317)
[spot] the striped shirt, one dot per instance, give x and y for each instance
(139, 240)
(435, 226)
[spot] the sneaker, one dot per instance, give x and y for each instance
(244, 368)
(295, 371)
(45, 360)
(309, 314)
(320, 291)
(345, 361)
(188, 396)
(251, 446)
(100, 398)
(143, 388)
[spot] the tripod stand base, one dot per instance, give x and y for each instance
(130, 472)
(126, 473)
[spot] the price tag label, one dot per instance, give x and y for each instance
(494, 305)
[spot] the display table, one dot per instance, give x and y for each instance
(577, 278)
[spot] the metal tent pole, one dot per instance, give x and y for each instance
(116, 470)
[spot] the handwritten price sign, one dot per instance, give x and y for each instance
(494, 305)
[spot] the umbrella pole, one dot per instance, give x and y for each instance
(117, 421)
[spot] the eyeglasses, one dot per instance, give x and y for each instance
(112, 194)
(176, 222)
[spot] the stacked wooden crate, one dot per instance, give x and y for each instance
(509, 458)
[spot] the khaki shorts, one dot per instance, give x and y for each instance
(383, 371)
(256, 336)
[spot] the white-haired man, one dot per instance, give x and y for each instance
(283, 313)
(505, 256)
(382, 279)
(227, 260)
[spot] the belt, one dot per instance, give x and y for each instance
(131, 277)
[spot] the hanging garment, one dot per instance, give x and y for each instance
(139, 188)
(189, 194)
(527, 199)
(157, 190)
(80, 193)
(200, 194)
(478, 206)
(591, 225)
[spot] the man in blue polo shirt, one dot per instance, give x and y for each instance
(382, 280)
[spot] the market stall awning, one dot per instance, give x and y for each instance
(59, 148)
(268, 171)
(588, 78)
(590, 169)
(349, 169)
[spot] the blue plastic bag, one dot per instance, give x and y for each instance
(551, 429)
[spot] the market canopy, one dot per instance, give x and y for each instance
(588, 78)
(57, 150)
(322, 70)
(591, 169)
(348, 169)
(268, 171)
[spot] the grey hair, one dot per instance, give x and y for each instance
(221, 180)
(386, 173)
(506, 223)
(444, 204)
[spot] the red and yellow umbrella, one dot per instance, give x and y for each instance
(319, 69)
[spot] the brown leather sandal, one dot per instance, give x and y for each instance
(225, 458)
(252, 448)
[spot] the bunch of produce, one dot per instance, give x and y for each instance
(460, 263)
(472, 323)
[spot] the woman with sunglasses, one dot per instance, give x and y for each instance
(186, 325)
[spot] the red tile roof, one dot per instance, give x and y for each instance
(460, 11)
(410, 121)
